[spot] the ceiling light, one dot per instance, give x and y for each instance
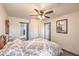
(41, 17)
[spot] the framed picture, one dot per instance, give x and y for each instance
(62, 26)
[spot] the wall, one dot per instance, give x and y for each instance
(68, 41)
(34, 28)
(3, 17)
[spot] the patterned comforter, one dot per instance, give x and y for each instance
(36, 47)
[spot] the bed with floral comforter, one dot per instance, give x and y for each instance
(36, 47)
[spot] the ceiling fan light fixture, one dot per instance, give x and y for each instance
(41, 17)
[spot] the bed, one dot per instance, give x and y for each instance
(35, 47)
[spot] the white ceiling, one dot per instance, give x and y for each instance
(23, 10)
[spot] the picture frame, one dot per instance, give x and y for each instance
(62, 26)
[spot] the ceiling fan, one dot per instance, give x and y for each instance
(42, 14)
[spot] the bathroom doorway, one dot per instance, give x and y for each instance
(47, 31)
(24, 31)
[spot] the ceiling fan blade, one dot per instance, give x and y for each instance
(36, 10)
(49, 12)
(33, 15)
(47, 16)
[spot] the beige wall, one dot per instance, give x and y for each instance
(3, 17)
(68, 41)
(34, 28)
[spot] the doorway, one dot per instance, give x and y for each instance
(24, 31)
(47, 31)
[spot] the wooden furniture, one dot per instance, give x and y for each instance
(2, 41)
(6, 26)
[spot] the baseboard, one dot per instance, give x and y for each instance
(70, 52)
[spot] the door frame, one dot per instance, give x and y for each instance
(49, 30)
